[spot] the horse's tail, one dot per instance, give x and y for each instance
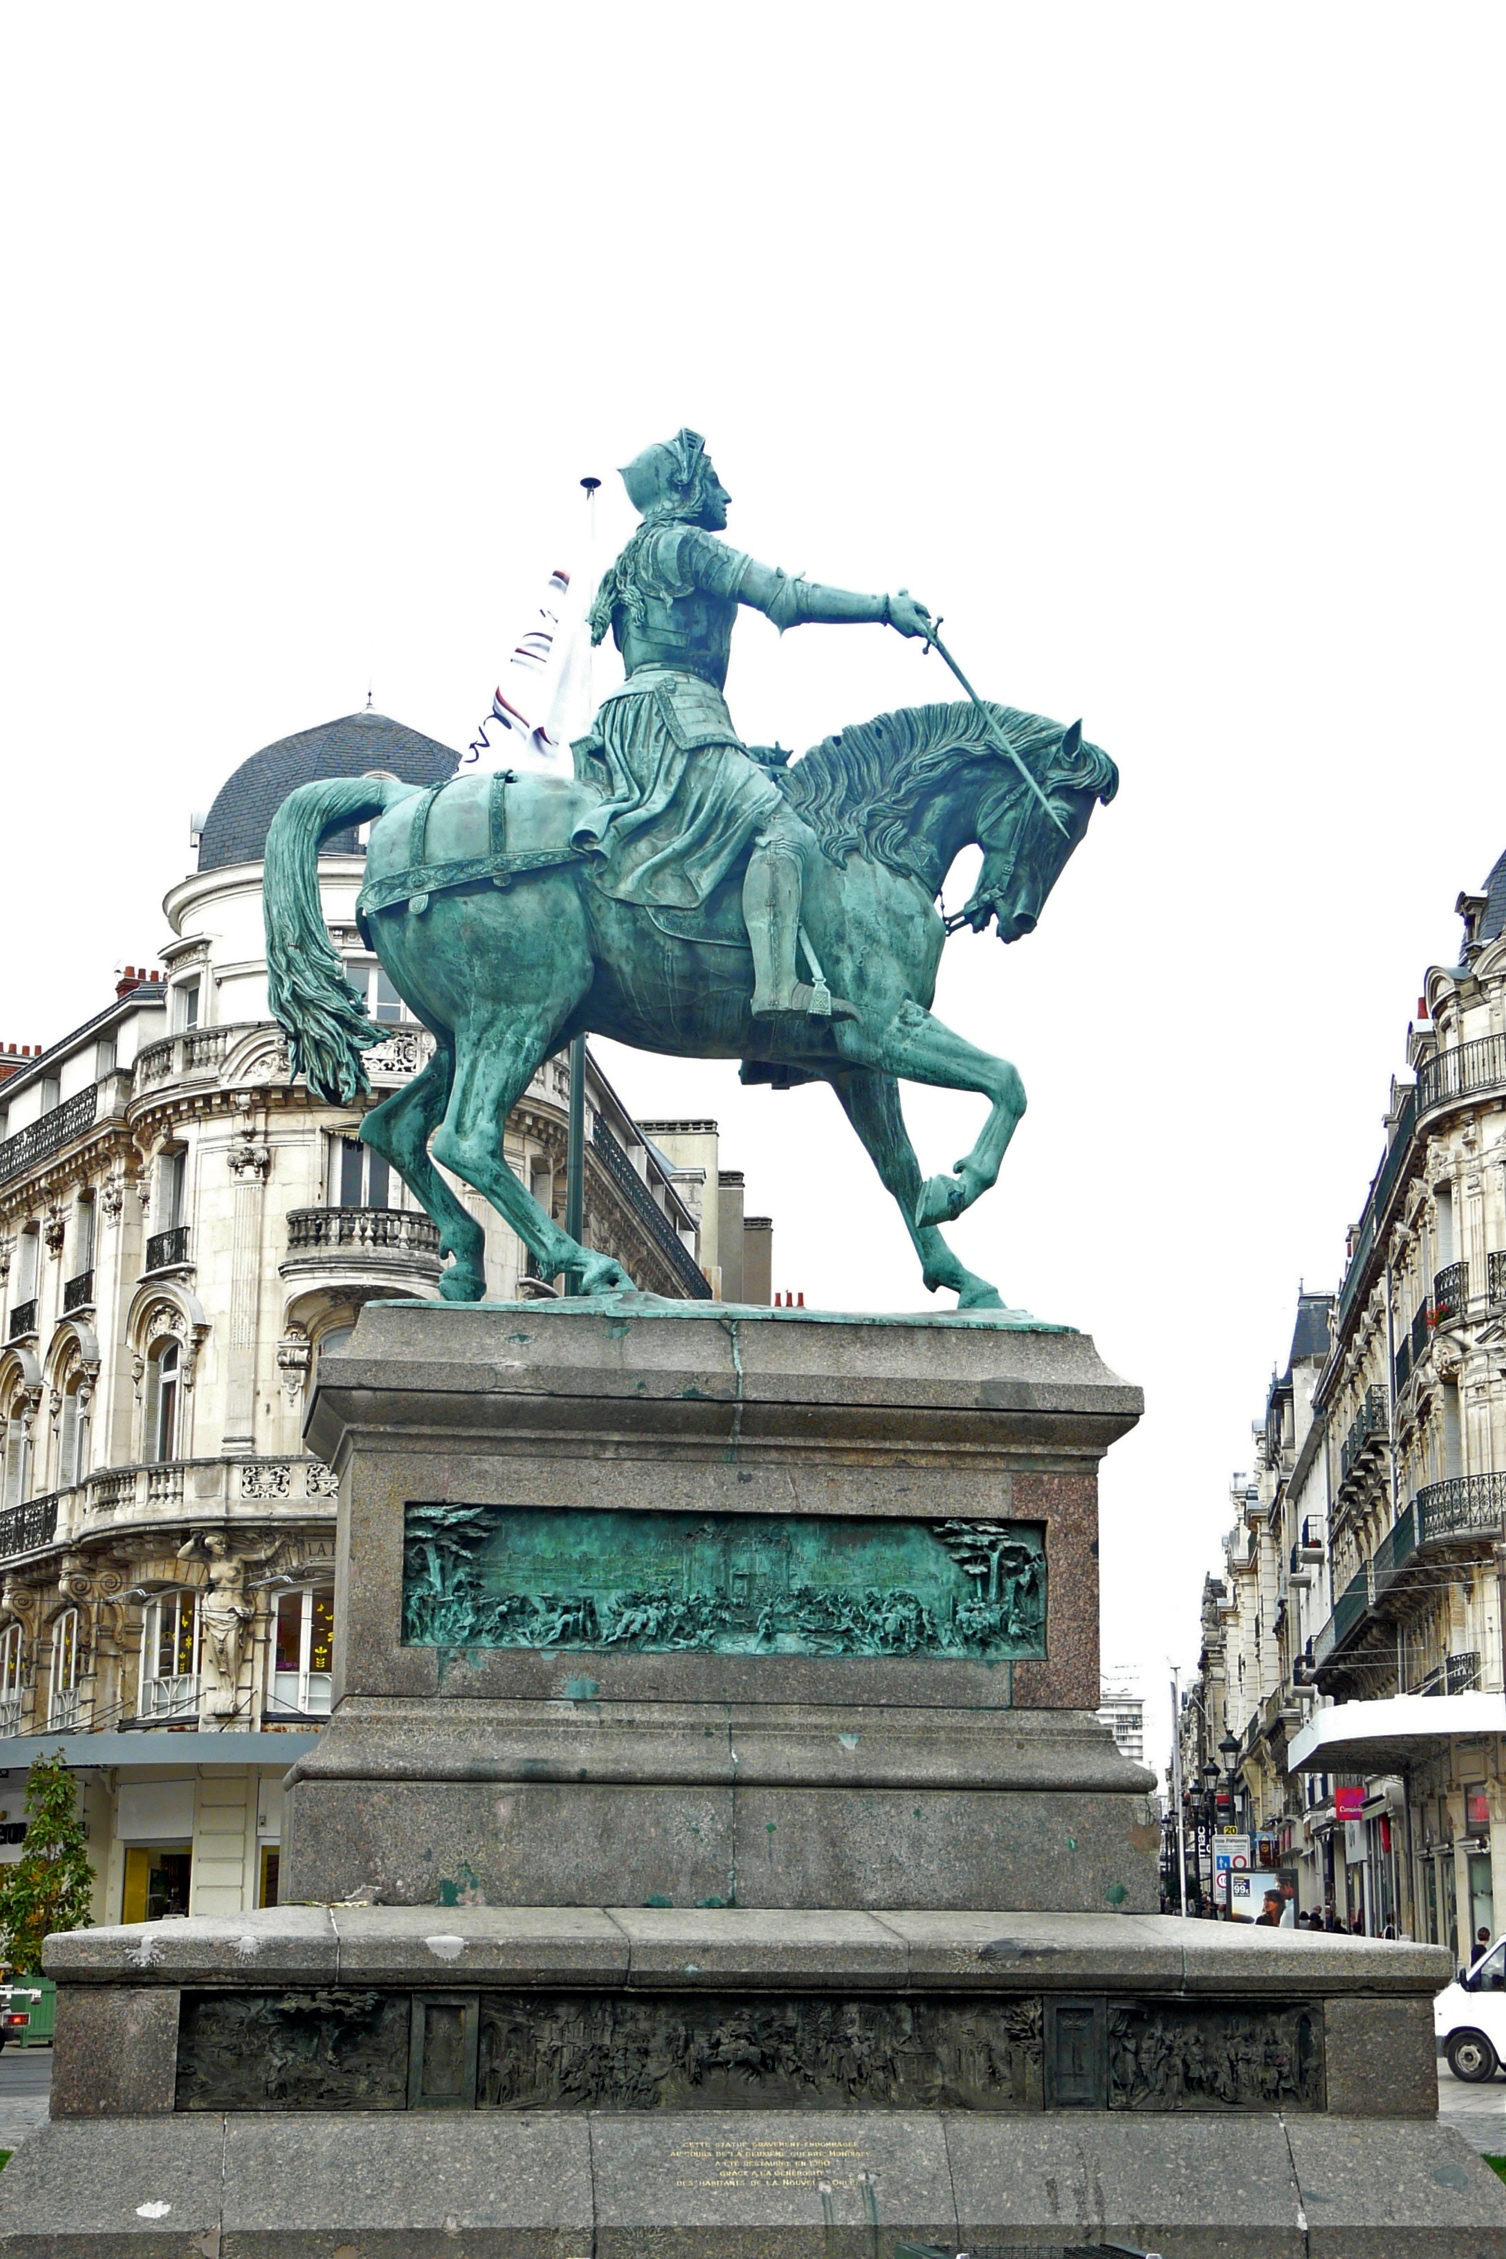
(326, 1024)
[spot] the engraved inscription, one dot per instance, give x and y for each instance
(748, 1584)
(605, 2051)
(778, 2162)
(1191, 2056)
(325, 2050)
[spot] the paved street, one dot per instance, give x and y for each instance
(1478, 2112)
(25, 2077)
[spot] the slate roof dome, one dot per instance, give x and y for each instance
(235, 830)
(1493, 918)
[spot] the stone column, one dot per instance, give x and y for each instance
(249, 1164)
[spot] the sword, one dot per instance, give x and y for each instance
(1000, 741)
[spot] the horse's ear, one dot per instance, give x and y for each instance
(1071, 739)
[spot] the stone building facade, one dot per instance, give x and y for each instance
(183, 1233)
(1371, 1714)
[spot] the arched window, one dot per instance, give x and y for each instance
(15, 1481)
(164, 1382)
(170, 1656)
(63, 1714)
(73, 1431)
(11, 1695)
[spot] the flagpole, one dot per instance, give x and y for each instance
(575, 1146)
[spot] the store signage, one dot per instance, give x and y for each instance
(1349, 1803)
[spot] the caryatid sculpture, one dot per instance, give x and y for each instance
(683, 892)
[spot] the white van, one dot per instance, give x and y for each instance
(1469, 2016)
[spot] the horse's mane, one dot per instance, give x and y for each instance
(857, 790)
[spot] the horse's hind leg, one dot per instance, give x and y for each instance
(496, 1061)
(399, 1129)
(871, 1103)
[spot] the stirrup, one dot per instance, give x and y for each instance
(808, 1001)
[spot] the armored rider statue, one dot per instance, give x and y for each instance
(686, 799)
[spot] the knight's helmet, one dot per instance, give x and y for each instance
(666, 483)
(666, 480)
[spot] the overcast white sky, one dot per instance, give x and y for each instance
(1159, 347)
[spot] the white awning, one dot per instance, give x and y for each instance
(1374, 1737)
(111, 1747)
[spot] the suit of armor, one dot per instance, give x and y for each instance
(686, 800)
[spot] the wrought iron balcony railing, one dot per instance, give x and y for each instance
(1450, 1293)
(166, 1248)
(54, 1129)
(1371, 1423)
(1403, 1364)
(397, 1231)
(23, 1320)
(78, 1292)
(1495, 1276)
(1463, 1506)
(648, 1212)
(1463, 1071)
(28, 1525)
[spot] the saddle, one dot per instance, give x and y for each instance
(469, 828)
(501, 827)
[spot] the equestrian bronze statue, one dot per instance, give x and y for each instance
(684, 892)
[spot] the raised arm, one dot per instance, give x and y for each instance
(790, 602)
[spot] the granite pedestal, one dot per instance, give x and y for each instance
(787, 1769)
(713, 1852)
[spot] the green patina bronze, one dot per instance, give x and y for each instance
(733, 1584)
(686, 893)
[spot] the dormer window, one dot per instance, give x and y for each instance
(186, 1006)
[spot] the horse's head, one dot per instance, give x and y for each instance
(1024, 851)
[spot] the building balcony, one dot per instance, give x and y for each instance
(1369, 1431)
(1465, 1512)
(40, 1139)
(1450, 1294)
(1465, 1506)
(78, 1293)
(173, 1490)
(362, 1246)
(66, 1710)
(23, 1320)
(167, 1250)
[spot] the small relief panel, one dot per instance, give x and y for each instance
(735, 1584)
(584, 2051)
(442, 2051)
(1186, 2055)
(324, 2050)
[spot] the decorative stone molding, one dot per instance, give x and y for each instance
(293, 1353)
(54, 1228)
(112, 1198)
(246, 1161)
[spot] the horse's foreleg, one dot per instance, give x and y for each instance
(871, 1103)
(399, 1129)
(920, 1048)
(496, 1060)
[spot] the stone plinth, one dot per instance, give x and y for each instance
(918, 1726)
(628, 2081)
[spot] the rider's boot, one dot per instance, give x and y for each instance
(772, 895)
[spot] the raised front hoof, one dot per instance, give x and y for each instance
(462, 1282)
(942, 1200)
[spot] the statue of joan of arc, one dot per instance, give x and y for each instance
(686, 799)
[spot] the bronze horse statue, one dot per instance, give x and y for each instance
(485, 915)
